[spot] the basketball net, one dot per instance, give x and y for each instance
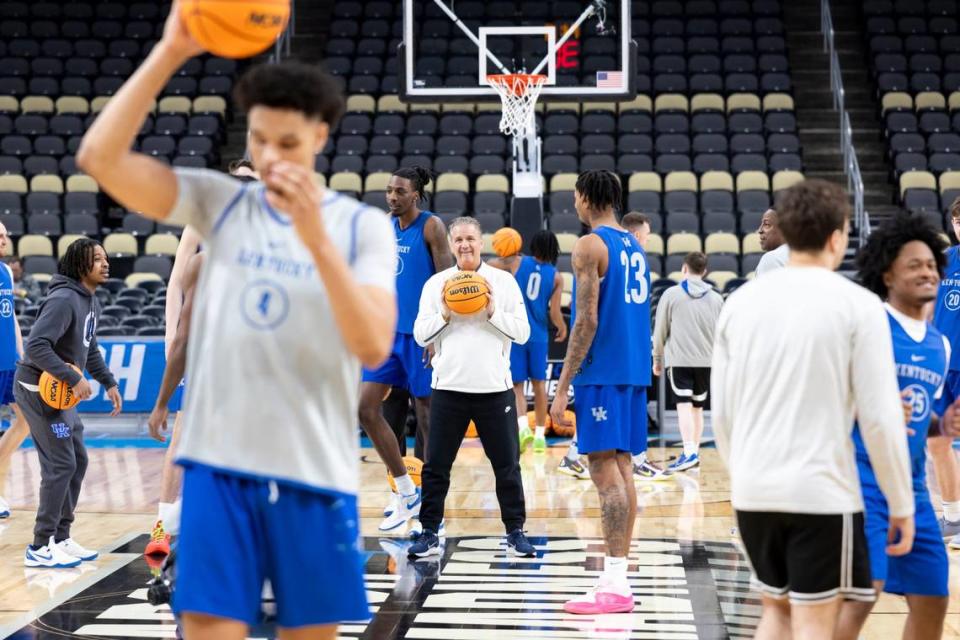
(518, 95)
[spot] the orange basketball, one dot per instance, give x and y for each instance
(507, 242)
(471, 430)
(414, 469)
(57, 393)
(562, 431)
(466, 293)
(235, 28)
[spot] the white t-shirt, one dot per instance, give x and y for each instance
(272, 391)
(798, 354)
(472, 353)
(774, 259)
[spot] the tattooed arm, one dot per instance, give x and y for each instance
(589, 261)
(436, 236)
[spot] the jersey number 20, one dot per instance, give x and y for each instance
(634, 277)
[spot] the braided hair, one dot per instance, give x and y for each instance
(77, 261)
(884, 244)
(418, 177)
(544, 246)
(600, 188)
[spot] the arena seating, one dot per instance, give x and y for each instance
(915, 60)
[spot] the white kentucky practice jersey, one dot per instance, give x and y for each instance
(272, 391)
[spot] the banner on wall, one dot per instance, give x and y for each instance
(137, 364)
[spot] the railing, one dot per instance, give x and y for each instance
(851, 166)
(281, 48)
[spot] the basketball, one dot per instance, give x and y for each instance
(235, 28)
(466, 293)
(57, 393)
(414, 468)
(507, 242)
(560, 430)
(471, 430)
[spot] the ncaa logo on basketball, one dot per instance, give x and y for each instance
(952, 300)
(271, 20)
(919, 402)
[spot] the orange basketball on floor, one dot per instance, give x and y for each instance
(57, 393)
(414, 470)
(471, 430)
(466, 293)
(507, 242)
(235, 28)
(562, 431)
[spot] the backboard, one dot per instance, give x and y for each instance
(450, 46)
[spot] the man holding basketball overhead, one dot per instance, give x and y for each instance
(471, 381)
(422, 251)
(296, 293)
(63, 335)
(608, 360)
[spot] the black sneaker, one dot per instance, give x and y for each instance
(517, 543)
(427, 544)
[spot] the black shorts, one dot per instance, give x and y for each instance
(810, 558)
(690, 384)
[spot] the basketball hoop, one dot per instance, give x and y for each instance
(518, 94)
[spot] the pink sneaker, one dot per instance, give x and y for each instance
(604, 598)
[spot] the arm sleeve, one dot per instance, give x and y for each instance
(429, 323)
(877, 402)
(97, 367)
(203, 197)
(374, 259)
(509, 313)
(52, 323)
(661, 326)
(721, 419)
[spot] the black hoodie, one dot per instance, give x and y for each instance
(65, 332)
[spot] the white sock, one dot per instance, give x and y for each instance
(615, 569)
(540, 432)
(169, 514)
(640, 458)
(523, 423)
(690, 448)
(573, 453)
(951, 511)
(405, 484)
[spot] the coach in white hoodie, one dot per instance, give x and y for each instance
(472, 381)
(798, 353)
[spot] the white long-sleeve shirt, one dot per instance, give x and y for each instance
(798, 353)
(472, 353)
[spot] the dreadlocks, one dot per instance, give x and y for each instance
(544, 247)
(77, 261)
(418, 177)
(601, 189)
(884, 245)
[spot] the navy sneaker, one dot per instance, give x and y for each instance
(427, 544)
(517, 543)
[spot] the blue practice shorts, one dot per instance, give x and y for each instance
(6, 386)
(922, 572)
(528, 361)
(404, 368)
(176, 402)
(237, 531)
(611, 418)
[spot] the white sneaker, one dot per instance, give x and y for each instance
(391, 505)
(4, 508)
(72, 548)
(406, 507)
(50, 556)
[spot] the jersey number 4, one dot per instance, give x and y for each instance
(634, 277)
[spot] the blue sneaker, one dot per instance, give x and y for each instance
(416, 529)
(427, 544)
(684, 462)
(518, 544)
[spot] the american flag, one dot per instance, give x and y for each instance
(609, 79)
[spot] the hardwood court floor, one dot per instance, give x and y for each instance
(119, 502)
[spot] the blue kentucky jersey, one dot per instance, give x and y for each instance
(946, 315)
(8, 320)
(414, 268)
(921, 368)
(536, 282)
(621, 349)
